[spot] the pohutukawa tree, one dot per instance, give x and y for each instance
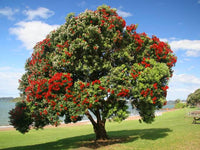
(92, 65)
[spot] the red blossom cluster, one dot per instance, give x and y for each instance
(111, 91)
(155, 85)
(131, 28)
(95, 47)
(162, 51)
(154, 100)
(36, 89)
(65, 45)
(135, 74)
(43, 88)
(74, 118)
(144, 93)
(138, 41)
(96, 81)
(152, 93)
(123, 93)
(111, 26)
(143, 62)
(107, 17)
(58, 82)
(165, 90)
(36, 57)
(102, 88)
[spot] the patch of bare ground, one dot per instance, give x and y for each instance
(95, 144)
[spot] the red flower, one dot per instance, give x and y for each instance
(123, 93)
(95, 47)
(134, 76)
(151, 93)
(45, 112)
(155, 85)
(112, 92)
(102, 88)
(96, 81)
(142, 92)
(111, 26)
(102, 21)
(165, 88)
(154, 100)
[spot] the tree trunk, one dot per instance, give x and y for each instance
(100, 131)
(99, 127)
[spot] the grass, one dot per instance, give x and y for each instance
(173, 130)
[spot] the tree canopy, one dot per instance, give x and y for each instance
(194, 98)
(94, 64)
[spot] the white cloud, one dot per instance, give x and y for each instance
(186, 78)
(81, 4)
(164, 39)
(8, 12)
(9, 81)
(31, 32)
(41, 12)
(181, 85)
(192, 47)
(198, 2)
(4, 68)
(123, 13)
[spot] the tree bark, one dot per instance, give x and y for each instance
(98, 126)
(100, 131)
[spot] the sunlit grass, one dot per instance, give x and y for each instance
(172, 130)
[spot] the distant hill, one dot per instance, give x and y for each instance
(6, 98)
(17, 99)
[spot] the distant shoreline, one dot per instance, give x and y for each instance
(84, 122)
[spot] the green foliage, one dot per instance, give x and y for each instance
(194, 98)
(20, 117)
(180, 105)
(177, 101)
(94, 63)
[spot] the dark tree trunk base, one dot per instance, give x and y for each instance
(99, 126)
(100, 131)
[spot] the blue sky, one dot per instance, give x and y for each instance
(25, 22)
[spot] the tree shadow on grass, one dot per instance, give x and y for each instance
(87, 141)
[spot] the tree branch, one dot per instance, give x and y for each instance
(87, 113)
(97, 113)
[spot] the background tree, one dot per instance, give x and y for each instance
(177, 101)
(194, 98)
(91, 66)
(179, 104)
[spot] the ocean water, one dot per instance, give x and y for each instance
(6, 106)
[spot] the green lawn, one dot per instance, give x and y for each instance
(171, 131)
